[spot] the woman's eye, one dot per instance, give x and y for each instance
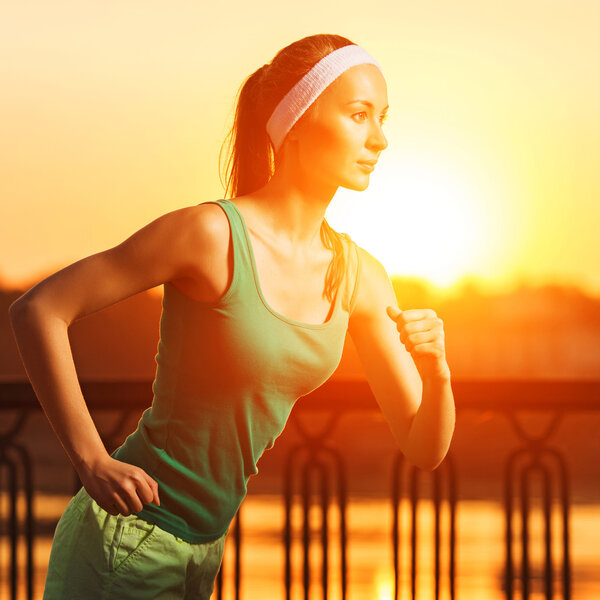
(363, 116)
(360, 116)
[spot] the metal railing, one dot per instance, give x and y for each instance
(533, 455)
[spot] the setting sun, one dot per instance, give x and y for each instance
(425, 218)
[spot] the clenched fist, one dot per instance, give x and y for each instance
(422, 333)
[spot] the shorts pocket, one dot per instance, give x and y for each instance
(131, 535)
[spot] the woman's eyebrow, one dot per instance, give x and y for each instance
(366, 103)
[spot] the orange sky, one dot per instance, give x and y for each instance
(113, 113)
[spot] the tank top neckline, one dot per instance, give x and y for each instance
(334, 307)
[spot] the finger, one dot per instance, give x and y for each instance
(141, 494)
(144, 492)
(128, 492)
(393, 312)
(149, 491)
(134, 504)
(154, 487)
(422, 325)
(416, 314)
(111, 508)
(118, 506)
(156, 497)
(421, 337)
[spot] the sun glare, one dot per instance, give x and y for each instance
(384, 585)
(421, 218)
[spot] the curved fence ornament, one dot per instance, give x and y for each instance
(313, 454)
(444, 471)
(16, 463)
(535, 457)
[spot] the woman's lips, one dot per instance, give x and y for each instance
(367, 166)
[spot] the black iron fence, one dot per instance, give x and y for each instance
(312, 472)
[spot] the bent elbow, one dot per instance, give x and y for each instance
(426, 464)
(23, 310)
(16, 310)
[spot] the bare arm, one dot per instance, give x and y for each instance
(46, 354)
(191, 242)
(419, 408)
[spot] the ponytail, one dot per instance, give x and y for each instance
(250, 157)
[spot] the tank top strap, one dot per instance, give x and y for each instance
(350, 282)
(242, 259)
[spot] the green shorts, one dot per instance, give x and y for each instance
(96, 555)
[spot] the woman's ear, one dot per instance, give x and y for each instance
(292, 135)
(290, 142)
(299, 126)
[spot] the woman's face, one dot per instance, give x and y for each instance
(340, 137)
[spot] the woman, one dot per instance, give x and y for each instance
(259, 292)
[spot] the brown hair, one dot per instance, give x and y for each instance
(250, 159)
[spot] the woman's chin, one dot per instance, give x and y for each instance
(357, 186)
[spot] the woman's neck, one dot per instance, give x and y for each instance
(293, 209)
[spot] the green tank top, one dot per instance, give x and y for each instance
(227, 377)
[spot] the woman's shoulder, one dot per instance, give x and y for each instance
(372, 281)
(207, 227)
(364, 259)
(201, 234)
(199, 228)
(209, 217)
(369, 263)
(205, 218)
(366, 275)
(196, 228)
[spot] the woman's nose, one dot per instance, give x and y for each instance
(377, 139)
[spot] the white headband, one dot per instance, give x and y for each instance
(306, 91)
